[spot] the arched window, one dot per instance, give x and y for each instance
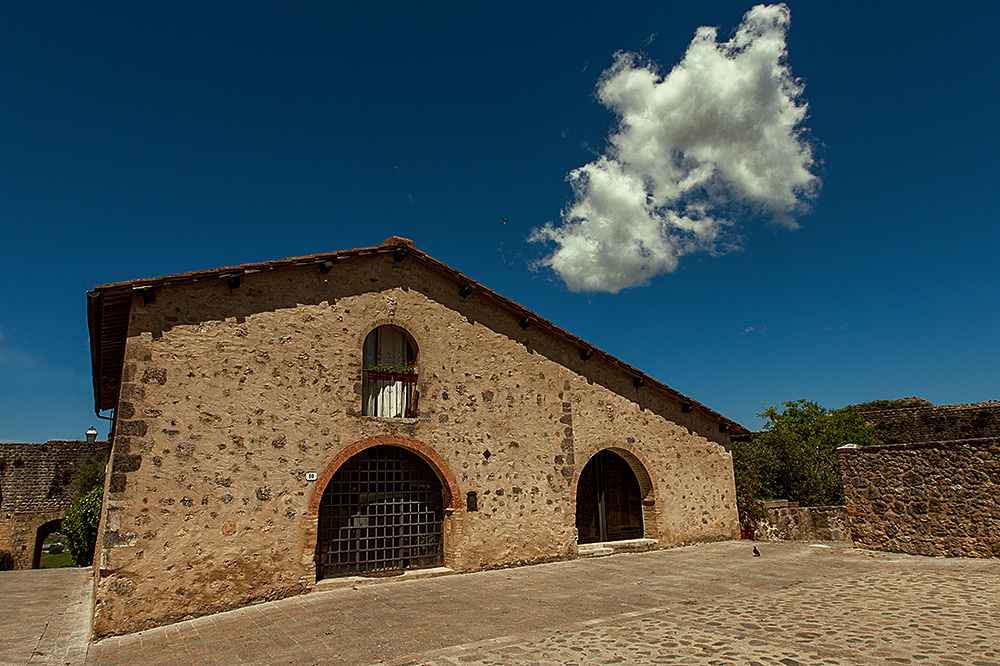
(390, 374)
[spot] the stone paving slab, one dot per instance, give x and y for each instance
(45, 616)
(706, 604)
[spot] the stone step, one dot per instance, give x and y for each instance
(612, 547)
(594, 550)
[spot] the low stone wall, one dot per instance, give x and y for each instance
(804, 523)
(932, 498)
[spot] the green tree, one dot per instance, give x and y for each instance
(81, 521)
(795, 457)
(89, 474)
(749, 465)
(80, 526)
(821, 428)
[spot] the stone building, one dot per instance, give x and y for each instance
(365, 413)
(36, 491)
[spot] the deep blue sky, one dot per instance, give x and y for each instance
(140, 139)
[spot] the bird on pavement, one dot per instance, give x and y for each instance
(756, 553)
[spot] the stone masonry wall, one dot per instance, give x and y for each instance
(936, 498)
(936, 423)
(231, 396)
(804, 523)
(35, 488)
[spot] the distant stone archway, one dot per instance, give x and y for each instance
(36, 491)
(42, 533)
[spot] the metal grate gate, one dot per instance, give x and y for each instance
(382, 511)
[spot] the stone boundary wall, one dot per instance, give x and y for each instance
(941, 423)
(804, 523)
(36, 488)
(930, 498)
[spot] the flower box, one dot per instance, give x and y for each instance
(391, 376)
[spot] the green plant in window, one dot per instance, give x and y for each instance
(390, 367)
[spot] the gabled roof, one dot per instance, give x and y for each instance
(109, 306)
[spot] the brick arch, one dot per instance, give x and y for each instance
(635, 460)
(647, 489)
(392, 323)
(426, 453)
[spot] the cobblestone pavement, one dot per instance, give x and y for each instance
(707, 604)
(45, 616)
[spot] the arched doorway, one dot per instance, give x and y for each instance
(42, 533)
(608, 500)
(382, 511)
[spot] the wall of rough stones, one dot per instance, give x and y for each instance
(35, 488)
(940, 423)
(930, 498)
(230, 396)
(804, 523)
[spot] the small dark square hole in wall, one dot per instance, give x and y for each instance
(487, 454)
(471, 502)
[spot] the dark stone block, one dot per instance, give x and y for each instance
(133, 428)
(132, 392)
(113, 539)
(117, 483)
(123, 464)
(154, 376)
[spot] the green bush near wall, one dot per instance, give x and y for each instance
(795, 458)
(80, 526)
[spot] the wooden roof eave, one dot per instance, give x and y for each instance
(108, 319)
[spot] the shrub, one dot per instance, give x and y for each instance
(795, 457)
(749, 466)
(7, 561)
(56, 548)
(80, 526)
(89, 474)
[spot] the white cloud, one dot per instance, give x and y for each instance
(716, 140)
